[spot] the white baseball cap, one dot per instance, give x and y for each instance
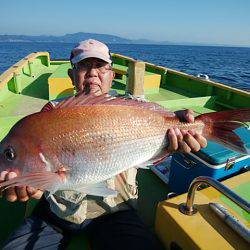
(90, 48)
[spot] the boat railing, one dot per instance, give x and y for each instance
(189, 208)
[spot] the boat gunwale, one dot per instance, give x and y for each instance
(7, 75)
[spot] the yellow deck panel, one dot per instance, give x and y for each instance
(203, 230)
(152, 82)
(60, 87)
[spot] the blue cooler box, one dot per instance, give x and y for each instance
(215, 161)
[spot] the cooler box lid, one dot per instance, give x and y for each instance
(216, 154)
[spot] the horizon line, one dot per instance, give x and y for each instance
(150, 42)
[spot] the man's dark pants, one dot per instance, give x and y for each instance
(44, 230)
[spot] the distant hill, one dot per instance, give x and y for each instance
(76, 37)
(80, 36)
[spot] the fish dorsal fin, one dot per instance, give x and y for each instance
(49, 106)
(105, 99)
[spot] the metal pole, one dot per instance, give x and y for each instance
(188, 207)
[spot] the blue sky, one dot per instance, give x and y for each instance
(207, 21)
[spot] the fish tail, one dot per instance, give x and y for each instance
(43, 181)
(220, 126)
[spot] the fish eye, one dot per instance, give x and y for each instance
(9, 154)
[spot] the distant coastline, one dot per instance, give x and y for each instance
(110, 39)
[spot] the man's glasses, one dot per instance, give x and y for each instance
(101, 67)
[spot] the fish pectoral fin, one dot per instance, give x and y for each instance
(42, 180)
(154, 161)
(144, 165)
(98, 189)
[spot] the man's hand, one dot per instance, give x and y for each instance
(185, 141)
(23, 193)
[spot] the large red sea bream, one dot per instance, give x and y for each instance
(86, 140)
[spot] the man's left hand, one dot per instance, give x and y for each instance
(182, 140)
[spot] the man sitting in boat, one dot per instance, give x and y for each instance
(110, 223)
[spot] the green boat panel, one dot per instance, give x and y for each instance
(167, 94)
(7, 123)
(120, 68)
(190, 86)
(243, 190)
(123, 69)
(21, 105)
(61, 71)
(196, 102)
(119, 86)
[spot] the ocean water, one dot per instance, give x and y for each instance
(228, 65)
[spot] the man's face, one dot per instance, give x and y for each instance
(93, 75)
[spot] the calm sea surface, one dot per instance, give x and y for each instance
(229, 65)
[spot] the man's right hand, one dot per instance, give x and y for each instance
(23, 193)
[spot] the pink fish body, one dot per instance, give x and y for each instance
(85, 141)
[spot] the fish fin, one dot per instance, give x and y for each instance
(161, 160)
(220, 126)
(98, 189)
(47, 107)
(145, 165)
(91, 100)
(154, 161)
(160, 156)
(44, 181)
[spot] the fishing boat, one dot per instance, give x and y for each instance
(163, 204)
